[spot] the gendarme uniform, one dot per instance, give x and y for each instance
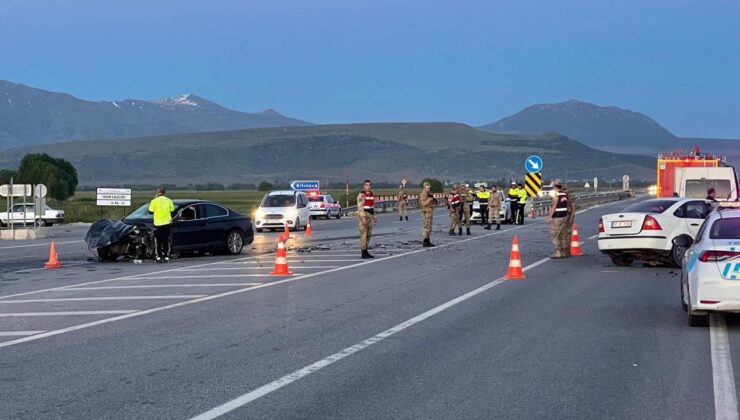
(454, 206)
(366, 219)
(558, 228)
(402, 199)
(426, 202)
(466, 199)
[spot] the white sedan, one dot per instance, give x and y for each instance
(26, 212)
(645, 230)
(710, 278)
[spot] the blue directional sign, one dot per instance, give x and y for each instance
(304, 185)
(533, 164)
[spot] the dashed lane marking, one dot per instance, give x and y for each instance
(207, 276)
(158, 286)
(18, 333)
(65, 313)
(723, 379)
(252, 268)
(85, 299)
(593, 237)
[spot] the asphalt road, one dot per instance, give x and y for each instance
(415, 333)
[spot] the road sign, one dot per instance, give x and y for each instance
(596, 183)
(533, 164)
(587, 185)
(40, 191)
(533, 184)
(626, 183)
(19, 190)
(115, 197)
(304, 185)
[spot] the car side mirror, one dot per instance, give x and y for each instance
(683, 241)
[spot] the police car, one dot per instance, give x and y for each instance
(323, 205)
(475, 216)
(710, 277)
(645, 230)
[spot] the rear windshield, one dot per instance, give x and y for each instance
(649, 206)
(697, 188)
(726, 229)
(279, 201)
(317, 198)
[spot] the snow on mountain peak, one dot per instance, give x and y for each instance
(186, 99)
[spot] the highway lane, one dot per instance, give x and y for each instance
(576, 339)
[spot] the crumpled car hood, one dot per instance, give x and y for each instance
(105, 232)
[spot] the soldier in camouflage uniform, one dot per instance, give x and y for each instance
(559, 209)
(426, 202)
(402, 199)
(570, 218)
(366, 216)
(455, 209)
(466, 198)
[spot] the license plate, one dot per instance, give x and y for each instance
(621, 224)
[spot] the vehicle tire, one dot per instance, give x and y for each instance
(234, 242)
(676, 257)
(296, 226)
(259, 230)
(684, 306)
(621, 260)
(697, 320)
(339, 214)
(104, 254)
(47, 224)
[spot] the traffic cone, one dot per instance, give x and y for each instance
(309, 231)
(575, 243)
(287, 232)
(281, 262)
(53, 258)
(515, 262)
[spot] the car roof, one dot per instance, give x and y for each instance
(284, 192)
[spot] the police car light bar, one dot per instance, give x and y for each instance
(726, 204)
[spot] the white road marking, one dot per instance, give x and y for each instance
(63, 265)
(252, 268)
(18, 333)
(44, 244)
(66, 313)
(293, 261)
(329, 360)
(593, 236)
(207, 276)
(157, 286)
(725, 398)
(84, 299)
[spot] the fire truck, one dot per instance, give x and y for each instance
(692, 175)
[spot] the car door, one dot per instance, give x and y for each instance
(304, 213)
(692, 215)
(217, 223)
(190, 231)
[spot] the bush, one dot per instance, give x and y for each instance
(265, 186)
(437, 186)
(6, 174)
(59, 176)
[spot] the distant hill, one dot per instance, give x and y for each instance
(596, 126)
(383, 152)
(30, 116)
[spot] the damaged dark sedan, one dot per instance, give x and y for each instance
(198, 227)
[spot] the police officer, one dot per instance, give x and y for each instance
(402, 199)
(494, 208)
(559, 209)
(162, 208)
(454, 205)
(482, 196)
(466, 199)
(522, 202)
(513, 194)
(366, 216)
(426, 202)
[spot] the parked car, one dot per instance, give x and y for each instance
(49, 218)
(323, 205)
(197, 227)
(711, 266)
(475, 216)
(280, 207)
(645, 230)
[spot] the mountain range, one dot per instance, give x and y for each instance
(30, 116)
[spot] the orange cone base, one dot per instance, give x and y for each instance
(52, 265)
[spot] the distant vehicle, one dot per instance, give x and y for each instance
(711, 267)
(692, 175)
(197, 227)
(323, 205)
(645, 230)
(280, 207)
(547, 191)
(49, 218)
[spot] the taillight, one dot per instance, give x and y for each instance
(651, 224)
(717, 256)
(322, 205)
(601, 225)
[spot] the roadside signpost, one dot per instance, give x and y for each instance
(533, 179)
(304, 185)
(626, 183)
(39, 201)
(533, 164)
(114, 197)
(10, 192)
(533, 184)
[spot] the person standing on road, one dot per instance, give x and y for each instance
(426, 202)
(162, 208)
(402, 199)
(559, 209)
(466, 199)
(454, 205)
(482, 195)
(522, 202)
(711, 194)
(494, 208)
(366, 216)
(513, 194)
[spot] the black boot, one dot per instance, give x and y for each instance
(459, 232)
(366, 255)
(451, 232)
(498, 226)
(407, 218)
(428, 243)
(468, 231)
(400, 218)
(487, 227)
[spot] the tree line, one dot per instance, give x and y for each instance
(59, 176)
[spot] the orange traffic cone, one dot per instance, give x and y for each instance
(287, 232)
(515, 262)
(53, 258)
(575, 243)
(281, 262)
(309, 231)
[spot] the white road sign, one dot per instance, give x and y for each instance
(117, 197)
(116, 203)
(40, 191)
(19, 190)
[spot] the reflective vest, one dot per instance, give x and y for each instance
(162, 208)
(369, 204)
(561, 208)
(523, 196)
(483, 197)
(513, 193)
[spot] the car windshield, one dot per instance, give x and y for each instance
(650, 206)
(316, 198)
(142, 213)
(279, 201)
(726, 229)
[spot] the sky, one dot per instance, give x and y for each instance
(332, 61)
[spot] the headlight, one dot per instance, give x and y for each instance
(259, 214)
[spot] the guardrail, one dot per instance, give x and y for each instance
(542, 207)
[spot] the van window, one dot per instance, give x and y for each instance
(697, 188)
(278, 201)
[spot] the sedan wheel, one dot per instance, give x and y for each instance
(677, 253)
(621, 260)
(234, 242)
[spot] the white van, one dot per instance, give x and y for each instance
(280, 207)
(694, 182)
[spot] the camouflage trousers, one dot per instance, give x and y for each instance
(466, 215)
(402, 208)
(426, 223)
(454, 220)
(493, 215)
(366, 222)
(560, 237)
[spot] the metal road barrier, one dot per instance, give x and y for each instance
(388, 203)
